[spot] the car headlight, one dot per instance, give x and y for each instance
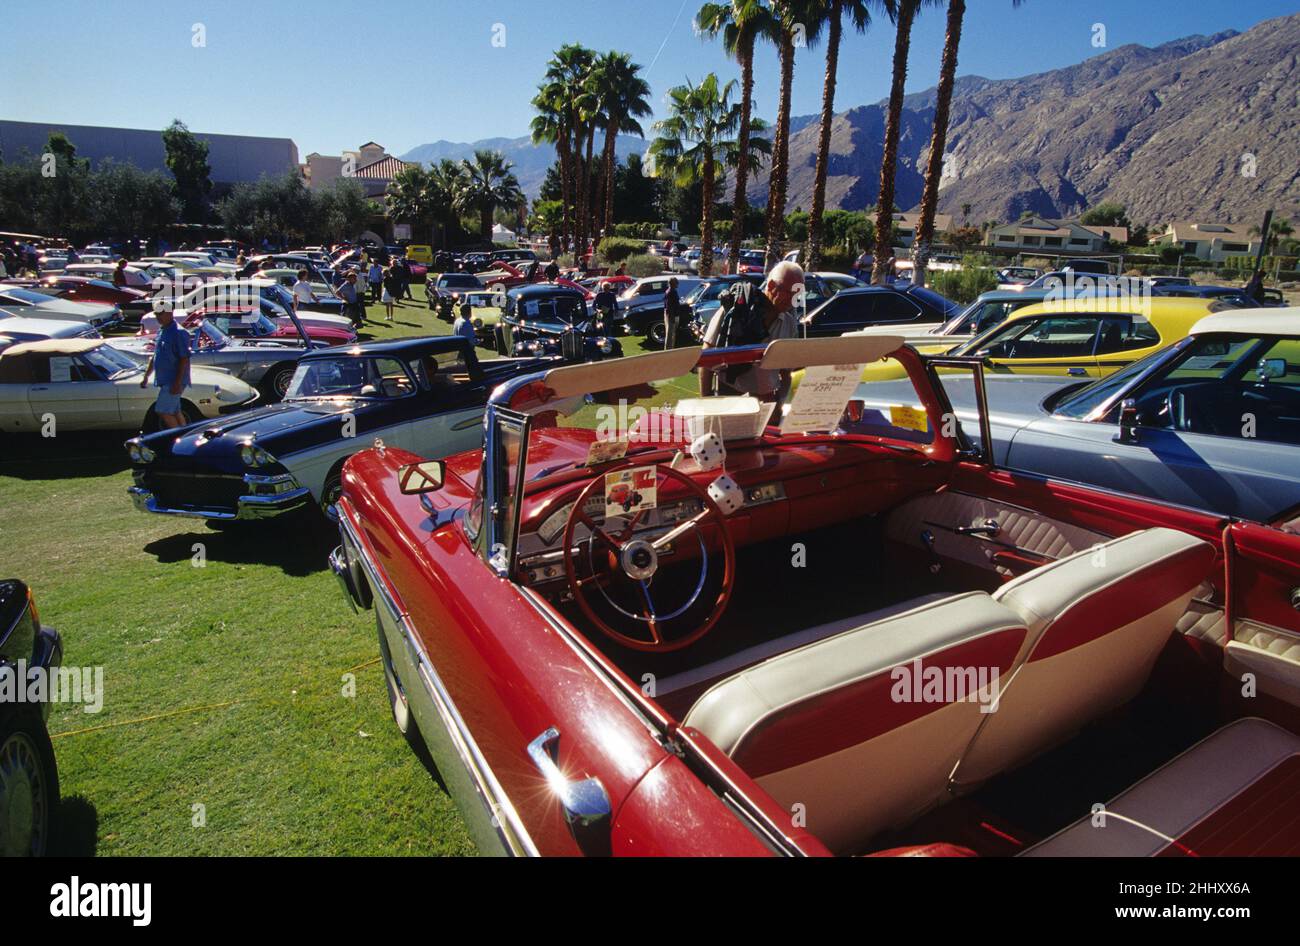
(138, 452)
(478, 323)
(253, 455)
(223, 395)
(606, 346)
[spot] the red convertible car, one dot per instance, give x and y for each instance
(820, 631)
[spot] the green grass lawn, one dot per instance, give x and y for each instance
(223, 684)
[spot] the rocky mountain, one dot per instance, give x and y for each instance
(1206, 127)
(530, 160)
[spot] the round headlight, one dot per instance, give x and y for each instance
(146, 455)
(606, 346)
(246, 454)
(133, 451)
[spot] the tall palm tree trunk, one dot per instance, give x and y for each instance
(889, 158)
(938, 139)
(566, 196)
(706, 227)
(813, 255)
(739, 205)
(779, 177)
(607, 218)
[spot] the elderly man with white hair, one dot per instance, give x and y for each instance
(759, 318)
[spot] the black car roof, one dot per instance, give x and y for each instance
(398, 347)
(543, 289)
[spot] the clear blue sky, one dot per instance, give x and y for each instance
(332, 74)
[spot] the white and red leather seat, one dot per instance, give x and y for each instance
(1097, 622)
(821, 727)
(1229, 795)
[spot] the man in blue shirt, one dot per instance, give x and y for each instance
(170, 365)
(464, 324)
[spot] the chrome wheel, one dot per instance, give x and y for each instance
(24, 798)
(329, 497)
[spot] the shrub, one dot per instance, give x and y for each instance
(965, 284)
(643, 264)
(837, 260)
(615, 249)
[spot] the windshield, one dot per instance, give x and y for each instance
(112, 362)
(350, 377)
(24, 296)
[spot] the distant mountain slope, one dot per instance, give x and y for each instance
(1160, 130)
(530, 160)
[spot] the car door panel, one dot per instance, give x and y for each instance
(1264, 585)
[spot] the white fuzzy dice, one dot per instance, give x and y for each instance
(708, 451)
(727, 493)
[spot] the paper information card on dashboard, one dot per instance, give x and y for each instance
(821, 397)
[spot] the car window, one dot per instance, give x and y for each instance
(1062, 336)
(893, 307)
(1126, 333)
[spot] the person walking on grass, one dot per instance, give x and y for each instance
(302, 293)
(353, 307)
(170, 365)
(392, 286)
(375, 275)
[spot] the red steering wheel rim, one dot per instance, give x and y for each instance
(711, 511)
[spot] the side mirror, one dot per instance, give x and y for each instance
(1270, 368)
(423, 477)
(1128, 421)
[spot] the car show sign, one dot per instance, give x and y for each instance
(821, 397)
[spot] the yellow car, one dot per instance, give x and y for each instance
(1084, 338)
(419, 253)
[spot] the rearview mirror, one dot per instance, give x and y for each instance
(1270, 368)
(423, 477)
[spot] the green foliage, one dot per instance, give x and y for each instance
(187, 159)
(1105, 214)
(963, 285)
(644, 264)
(615, 249)
(638, 231)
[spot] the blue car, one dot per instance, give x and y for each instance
(425, 395)
(1211, 422)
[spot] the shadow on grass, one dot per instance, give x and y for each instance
(75, 829)
(298, 550)
(86, 453)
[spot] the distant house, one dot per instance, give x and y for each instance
(1054, 237)
(374, 167)
(906, 224)
(234, 159)
(1209, 241)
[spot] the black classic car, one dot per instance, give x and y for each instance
(853, 309)
(546, 319)
(29, 777)
(422, 394)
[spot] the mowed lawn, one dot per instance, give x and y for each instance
(224, 685)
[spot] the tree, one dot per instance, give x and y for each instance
(486, 184)
(903, 13)
(740, 23)
(622, 95)
(859, 14)
(635, 194)
(694, 143)
(1278, 230)
(343, 209)
(420, 197)
(187, 159)
(546, 218)
(125, 201)
(793, 21)
(1105, 214)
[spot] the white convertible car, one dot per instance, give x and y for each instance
(84, 384)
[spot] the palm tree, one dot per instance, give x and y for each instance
(566, 116)
(903, 13)
(790, 17)
(859, 14)
(695, 143)
(487, 184)
(623, 99)
(741, 23)
(548, 127)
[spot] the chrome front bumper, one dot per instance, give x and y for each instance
(249, 506)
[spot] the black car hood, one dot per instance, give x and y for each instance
(278, 428)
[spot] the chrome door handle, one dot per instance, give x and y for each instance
(585, 803)
(1295, 599)
(1077, 372)
(989, 527)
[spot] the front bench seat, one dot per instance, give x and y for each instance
(1228, 795)
(820, 726)
(1097, 622)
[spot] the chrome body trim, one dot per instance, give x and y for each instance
(248, 507)
(493, 821)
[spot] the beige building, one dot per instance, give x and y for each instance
(1042, 235)
(370, 164)
(1209, 241)
(907, 223)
